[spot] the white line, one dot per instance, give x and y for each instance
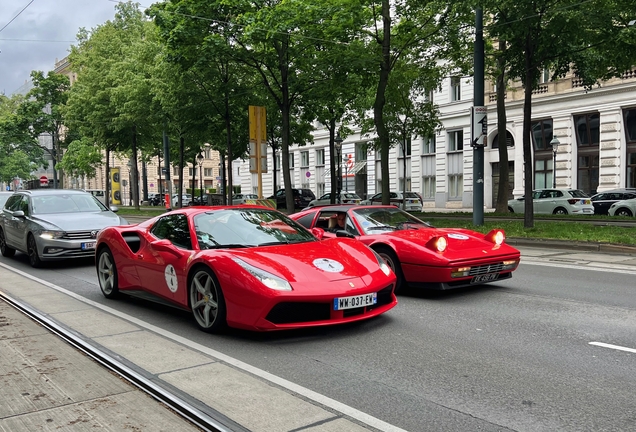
(307, 393)
(616, 347)
(609, 268)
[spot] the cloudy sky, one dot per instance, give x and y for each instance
(36, 33)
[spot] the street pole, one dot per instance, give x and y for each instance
(478, 101)
(166, 161)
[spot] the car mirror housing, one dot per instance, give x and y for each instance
(319, 233)
(114, 209)
(18, 213)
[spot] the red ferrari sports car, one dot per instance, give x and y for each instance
(419, 254)
(247, 267)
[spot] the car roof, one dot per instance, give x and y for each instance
(44, 192)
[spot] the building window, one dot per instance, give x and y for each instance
(206, 152)
(587, 178)
(428, 145)
(405, 147)
(587, 142)
(208, 172)
(542, 134)
(543, 172)
(175, 171)
(455, 167)
(304, 159)
(190, 171)
(630, 139)
(456, 141)
(587, 129)
(428, 177)
(291, 161)
(545, 76)
(510, 142)
(320, 157)
(455, 89)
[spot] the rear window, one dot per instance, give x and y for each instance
(576, 193)
(411, 195)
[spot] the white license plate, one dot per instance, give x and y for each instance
(485, 278)
(88, 245)
(351, 302)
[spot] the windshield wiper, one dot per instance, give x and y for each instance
(231, 246)
(381, 227)
(274, 243)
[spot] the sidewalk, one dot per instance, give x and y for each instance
(48, 385)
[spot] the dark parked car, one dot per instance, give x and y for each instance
(602, 201)
(302, 198)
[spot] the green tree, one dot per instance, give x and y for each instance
(560, 36)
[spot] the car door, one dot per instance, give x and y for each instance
(9, 221)
(162, 267)
(542, 201)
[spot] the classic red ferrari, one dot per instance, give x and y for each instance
(247, 267)
(420, 255)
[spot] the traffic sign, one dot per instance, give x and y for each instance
(479, 122)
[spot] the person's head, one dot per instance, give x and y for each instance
(340, 218)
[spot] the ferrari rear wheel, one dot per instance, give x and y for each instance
(392, 261)
(207, 301)
(32, 250)
(107, 273)
(4, 249)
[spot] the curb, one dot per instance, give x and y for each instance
(573, 245)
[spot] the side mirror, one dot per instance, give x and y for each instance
(18, 214)
(319, 233)
(343, 233)
(114, 209)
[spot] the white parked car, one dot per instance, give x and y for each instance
(555, 201)
(623, 208)
(347, 198)
(186, 200)
(413, 202)
(242, 198)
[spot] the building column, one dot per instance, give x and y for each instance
(611, 158)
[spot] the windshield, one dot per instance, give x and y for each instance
(66, 203)
(373, 220)
(247, 228)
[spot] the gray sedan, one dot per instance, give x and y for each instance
(53, 224)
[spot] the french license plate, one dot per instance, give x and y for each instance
(485, 278)
(88, 245)
(351, 302)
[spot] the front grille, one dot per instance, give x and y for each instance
(80, 235)
(293, 312)
(485, 269)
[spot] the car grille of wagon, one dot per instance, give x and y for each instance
(485, 269)
(80, 235)
(299, 312)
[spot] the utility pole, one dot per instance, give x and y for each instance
(166, 161)
(479, 122)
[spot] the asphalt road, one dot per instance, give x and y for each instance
(515, 355)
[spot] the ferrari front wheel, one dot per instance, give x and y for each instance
(207, 301)
(392, 261)
(107, 273)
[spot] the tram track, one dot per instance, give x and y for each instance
(170, 400)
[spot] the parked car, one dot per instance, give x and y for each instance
(53, 224)
(186, 199)
(241, 198)
(156, 199)
(198, 200)
(602, 201)
(623, 208)
(420, 255)
(555, 201)
(248, 267)
(347, 198)
(302, 198)
(412, 200)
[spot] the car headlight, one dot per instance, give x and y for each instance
(496, 236)
(269, 280)
(383, 265)
(438, 244)
(52, 234)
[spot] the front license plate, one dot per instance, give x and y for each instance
(355, 301)
(88, 245)
(485, 278)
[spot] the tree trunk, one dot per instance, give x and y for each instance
(228, 128)
(134, 187)
(504, 188)
(380, 101)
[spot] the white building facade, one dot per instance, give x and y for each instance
(596, 129)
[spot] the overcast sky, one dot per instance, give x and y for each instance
(42, 33)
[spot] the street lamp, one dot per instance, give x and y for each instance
(555, 146)
(200, 159)
(338, 145)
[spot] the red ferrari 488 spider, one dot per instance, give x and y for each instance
(419, 254)
(247, 267)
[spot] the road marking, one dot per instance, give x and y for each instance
(608, 268)
(281, 382)
(616, 347)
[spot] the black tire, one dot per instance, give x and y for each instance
(207, 301)
(560, 211)
(107, 273)
(32, 250)
(620, 212)
(510, 210)
(4, 249)
(391, 259)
